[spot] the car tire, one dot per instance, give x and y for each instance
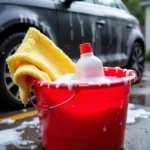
(9, 91)
(136, 61)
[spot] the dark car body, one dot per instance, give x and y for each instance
(111, 29)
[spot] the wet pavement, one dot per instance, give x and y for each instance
(140, 92)
(137, 135)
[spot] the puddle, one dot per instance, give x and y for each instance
(140, 99)
(15, 136)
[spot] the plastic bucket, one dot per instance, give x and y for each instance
(89, 117)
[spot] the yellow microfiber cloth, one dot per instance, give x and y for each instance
(39, 58)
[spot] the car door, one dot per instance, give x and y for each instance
(115, 19)
(127, 24)
(81, 22)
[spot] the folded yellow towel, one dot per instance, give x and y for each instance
(40, 58)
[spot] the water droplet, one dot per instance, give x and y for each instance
(121, 123)
(121, 106)
(48, 85)
(73, 105)
(24, 110)
(104, 129)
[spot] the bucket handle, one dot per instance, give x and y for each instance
(55, 106)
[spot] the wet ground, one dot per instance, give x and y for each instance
(140, 92)
(137, 134)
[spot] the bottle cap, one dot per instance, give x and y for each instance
(85, 48)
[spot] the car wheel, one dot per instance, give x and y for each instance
(10, 93)
(137, 60)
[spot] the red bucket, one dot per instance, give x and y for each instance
(89, 117)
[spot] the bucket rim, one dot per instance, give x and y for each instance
(125, 77)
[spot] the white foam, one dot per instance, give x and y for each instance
(71, 84)
(33, 146)
(91, 83)
(125, 80)
(128, 71)
(48, 85)
(13, 136)
(134, 114)
(8, 121)
(42, 83)
(131, 106)
(24, 110)
(71, 79)
(117, 68)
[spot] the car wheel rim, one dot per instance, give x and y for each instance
(11, 88)
(138, 61)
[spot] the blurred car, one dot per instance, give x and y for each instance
(107, 24)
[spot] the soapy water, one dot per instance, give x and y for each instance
(71, 79)
(13, 135)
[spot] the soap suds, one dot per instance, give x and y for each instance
(71, 79)
(134, 114)
(42, 83)
(91, 83)
(48, 85)
(117, 68)
(127, 72)
(15, 138)
(8, 121)
(24, 110)
(124, 79)
(33, 146)
(13, 135)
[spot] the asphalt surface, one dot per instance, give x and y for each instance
(137, 135)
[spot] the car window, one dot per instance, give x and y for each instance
(121, 5)
(110, 3)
